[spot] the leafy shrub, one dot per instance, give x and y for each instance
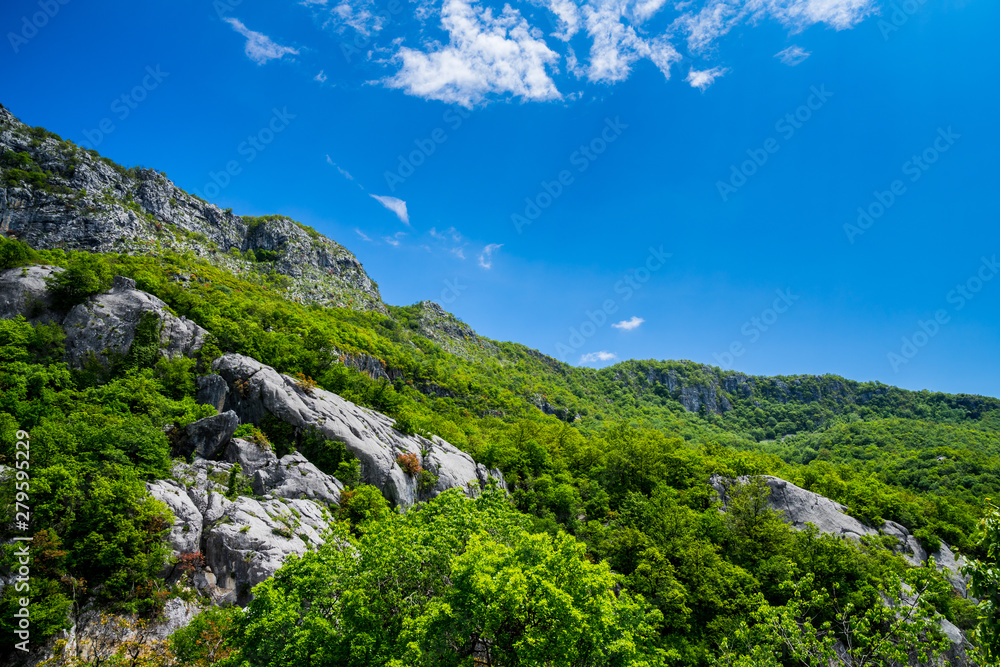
(14, 253)
(85, 276)
(426, 480)
(410, 463)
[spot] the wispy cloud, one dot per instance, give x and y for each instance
(364, 237)
(458, 252)
(260, 48)
(485, 55)
(592, 357)
(486, 257)
(616, 45)
(321, 77)
(395, 239)
(627, 325)
(793, 55)
(704, 78)
(343, 172)
(451, 233)
(397, 206)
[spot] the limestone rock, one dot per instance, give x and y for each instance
(105, 325)
(185, 535)
(95, 205)
(250, 456)
(295, 477)
(23, 292)
(208, 437)
(257, 390)
(212, 390)
(255, 537)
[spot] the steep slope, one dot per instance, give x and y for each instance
(54, 194)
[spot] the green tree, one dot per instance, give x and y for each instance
(984, 584)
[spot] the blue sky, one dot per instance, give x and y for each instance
(775, 186)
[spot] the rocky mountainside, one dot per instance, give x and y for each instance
(54, 194)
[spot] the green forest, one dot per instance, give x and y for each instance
(609, 548)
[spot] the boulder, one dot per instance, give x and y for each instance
(208, 437)
(23, 292)
(250, 456)
(295, 477)
(185, 535)
(257, 390)
(244, 541)
(212, 390)
(254, 538)
(105, 325)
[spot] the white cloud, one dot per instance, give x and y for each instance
(395, 239)
(705, 26)
(458, 252)
(358, 15)
(568, 14)
(629, 324)
(793, 55)
(704, 78)
(616, 46)
(260, 48)
(485, 55)
(486, 257)
(346, 174)
(364, 237)
(397, 206)
(321, 77)
(838, 14)
(592, 357)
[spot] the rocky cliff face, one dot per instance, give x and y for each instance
(255, 391)
(54, 194)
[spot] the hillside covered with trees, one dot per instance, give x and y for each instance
(608, 546)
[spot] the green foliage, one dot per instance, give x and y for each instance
(984, 584)
(363, 505)
(14, 253)
(204, 641)
(457, 582)
(85, 276)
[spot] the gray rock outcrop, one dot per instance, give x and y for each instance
(90, 203)
(23, 292)
(105, 325)
(245, 540)
(207, 437)
(257, 390)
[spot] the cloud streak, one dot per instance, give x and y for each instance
(593, 357)
(397, 206)
(486, 257)
(259, 47)
(627, 325)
